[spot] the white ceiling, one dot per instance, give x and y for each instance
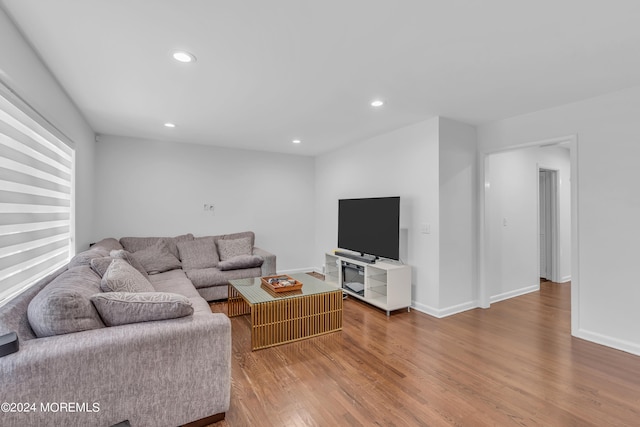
(271, 71)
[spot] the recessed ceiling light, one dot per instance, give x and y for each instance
(377, 103)
(169, 125)
(296, 141)
(183, 56)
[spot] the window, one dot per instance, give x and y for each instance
(36, 197)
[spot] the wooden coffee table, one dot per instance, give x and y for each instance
(278, 318)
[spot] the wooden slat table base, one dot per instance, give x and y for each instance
(236, 305)
(290, 319)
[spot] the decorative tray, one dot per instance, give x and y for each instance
(281, 283)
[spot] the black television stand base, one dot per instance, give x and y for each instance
(369, 259)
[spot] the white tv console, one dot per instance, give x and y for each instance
(387, 285)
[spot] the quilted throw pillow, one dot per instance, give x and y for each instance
(122, 277)
(121, 308)
(233, 247)
(198, 253)
(157, 258)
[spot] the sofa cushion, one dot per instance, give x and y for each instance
(241, 261)
(122, 277)
(157, 258)
(245, 273)
(198, 253)
(205, 277)
(64, 305)
(128, 256)
(85, 257)
(177, 282)
(121, 308)
(135, 244)
(234, 247)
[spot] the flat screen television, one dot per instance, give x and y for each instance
(370, 226)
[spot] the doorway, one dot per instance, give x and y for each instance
(548, 223)
(507, 249)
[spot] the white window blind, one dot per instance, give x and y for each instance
(36, 172)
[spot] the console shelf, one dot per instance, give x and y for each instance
(387, 285)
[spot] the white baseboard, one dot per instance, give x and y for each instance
(443, 312)
(565, 279)
(515, 293)
(455, 309)
(424, 309)
(627, 346)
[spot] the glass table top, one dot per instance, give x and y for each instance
(254, 293)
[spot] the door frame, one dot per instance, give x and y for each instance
(483, 227)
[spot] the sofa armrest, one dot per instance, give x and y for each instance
(162, 373)
(269, 264)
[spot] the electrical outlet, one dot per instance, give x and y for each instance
(208, 208)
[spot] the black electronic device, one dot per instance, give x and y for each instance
(9, 343)
(353, 277)
(370, 226)
(369, 259)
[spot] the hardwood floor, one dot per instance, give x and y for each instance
(514, 364)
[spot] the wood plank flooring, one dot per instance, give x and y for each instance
(514, 364)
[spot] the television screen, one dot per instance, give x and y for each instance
(370, 226)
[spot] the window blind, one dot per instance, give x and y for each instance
(36, 175)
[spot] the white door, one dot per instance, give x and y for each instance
(548, 223)
(543, 224)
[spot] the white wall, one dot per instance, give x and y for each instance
(513, 248)
(605, 280)
(401, 163)
(458, 203)
(23, 71)
(147, 188)
(514, 257)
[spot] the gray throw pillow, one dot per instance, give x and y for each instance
(108, 244)
(198, 253)
(128, 256)
(241, 261)
(100, 265)
(64, 305)
(122, 277)
(135, 244)
(157, 258)
(234, 247)
(121, 308)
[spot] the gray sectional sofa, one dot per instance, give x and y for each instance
(91, 356)
(208, 272)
